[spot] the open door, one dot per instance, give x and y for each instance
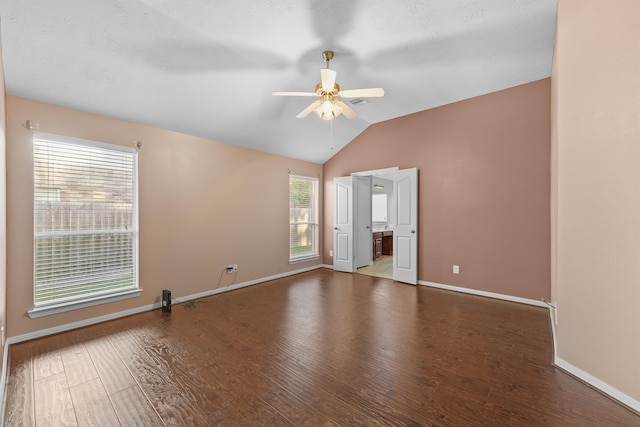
(363, 239)
(405, 232)
(343, 246)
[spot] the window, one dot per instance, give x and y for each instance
(303, 214)
(85, 218)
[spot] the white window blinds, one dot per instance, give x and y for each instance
(303, 213)
(85, 219)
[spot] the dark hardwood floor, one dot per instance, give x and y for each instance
(317, 349)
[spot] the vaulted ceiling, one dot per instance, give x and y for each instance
(208, 68)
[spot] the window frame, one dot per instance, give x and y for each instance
(315, 253)
(100, 297)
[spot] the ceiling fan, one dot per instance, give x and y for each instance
(329, 103)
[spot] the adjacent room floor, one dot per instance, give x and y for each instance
(382, 267)
(321, 349)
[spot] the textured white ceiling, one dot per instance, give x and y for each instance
(208, 68)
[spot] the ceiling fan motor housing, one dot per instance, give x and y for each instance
(336, 88)
(327, 55)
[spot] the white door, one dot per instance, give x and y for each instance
(405, 230)
(343, 259)
(363, 239)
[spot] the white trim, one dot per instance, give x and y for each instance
(87, 143)
(484, 293)
(3, 380)
(384, 171)
(245, 284)
(308, 178)
(48, 310)
(100, 319)
(304, 258)
(560, 363)
(315, 227)
(69, 326)
(80, 324)
(62, 305)
(553, 330)
(612, 392)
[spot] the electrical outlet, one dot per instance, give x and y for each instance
(330, 252)
(229, 268)
(456, 269)
(235, 268)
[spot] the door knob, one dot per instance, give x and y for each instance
(335, 228)
(413, 231)
(368, 227)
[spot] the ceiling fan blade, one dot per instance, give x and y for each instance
(293, 94)
(304, 113)
(328, 79)
(374, 92)
(346, 110)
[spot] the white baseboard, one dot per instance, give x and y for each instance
(82, 323)
(594, 382)
(75, 325)
(605, 388)
(484, 293)
(552, 315)
(3, 381)
(577, 372)
(243, 284)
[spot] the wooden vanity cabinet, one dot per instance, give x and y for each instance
(387, 243)
(382, 243)
(377, 245)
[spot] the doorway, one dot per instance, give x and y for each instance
(359, 241)
(381, 244)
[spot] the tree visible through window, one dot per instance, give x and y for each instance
(85, 220)
(303, 227)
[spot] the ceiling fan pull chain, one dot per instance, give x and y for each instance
(331, 136)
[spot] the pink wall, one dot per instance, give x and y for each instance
(203, 205)
(3, 213)
(596, 193)
(484, 166)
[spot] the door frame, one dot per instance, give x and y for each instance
(387, 173)
(343, 217)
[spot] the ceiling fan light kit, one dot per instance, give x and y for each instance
(329, 103)
(328, 110)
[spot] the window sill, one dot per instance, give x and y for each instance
(76, 305)
(304, 259)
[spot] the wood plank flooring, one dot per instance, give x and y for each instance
(316, 349)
